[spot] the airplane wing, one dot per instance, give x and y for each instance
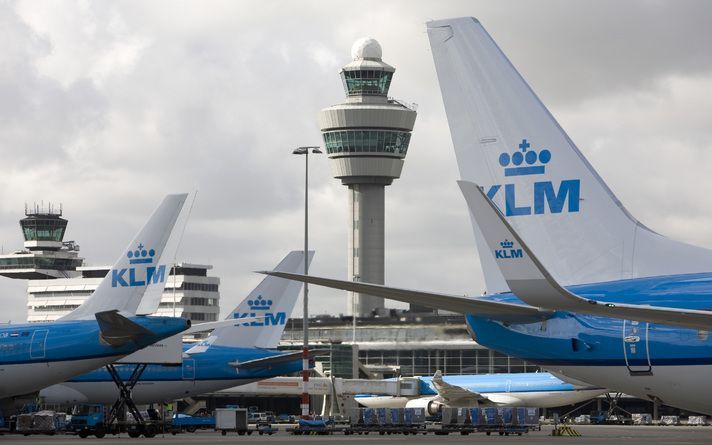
(515, 313)
(529, 280)
(117, 330)
(455, 395)
(275, 359)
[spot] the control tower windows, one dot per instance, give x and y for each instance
(366, 82)
(43, 229)
(367, 141)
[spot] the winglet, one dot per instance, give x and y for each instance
(529, 280)
(525, 275)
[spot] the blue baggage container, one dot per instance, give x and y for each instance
(506, 415)
(369, 416)
(475, 416)
(381, 416)
(395, 416)
(490, 415)
(407, 416)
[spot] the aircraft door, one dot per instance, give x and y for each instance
(188, 369)
(635, 347)
(37, 345)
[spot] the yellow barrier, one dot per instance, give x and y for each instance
(565, 430)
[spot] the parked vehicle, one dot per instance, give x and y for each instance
(185, 422)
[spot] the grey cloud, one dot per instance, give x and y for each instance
(107, 106)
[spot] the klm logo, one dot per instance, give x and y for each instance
(135, 277)
(260, 307)
(507, 251)
(557, 198)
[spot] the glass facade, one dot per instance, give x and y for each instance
(28, 262)
(367, 141)
(366, 82)
(450, 362)
(199, 316)
(43, 228)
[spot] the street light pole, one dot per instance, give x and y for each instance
(305, 319)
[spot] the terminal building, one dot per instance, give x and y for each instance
(403, 344)
(189, 293)
(59, 279)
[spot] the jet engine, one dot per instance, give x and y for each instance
(430, 406)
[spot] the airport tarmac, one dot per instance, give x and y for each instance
(649, 435)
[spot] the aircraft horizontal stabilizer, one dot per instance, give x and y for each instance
(117, 330)
(529, 280)
(210, 325)
(493, 309)
(453, 394)
(276, 359)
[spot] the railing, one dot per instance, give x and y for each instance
(408, 105)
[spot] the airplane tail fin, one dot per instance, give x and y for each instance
(138, 270)
(274, 299)
(507, 141)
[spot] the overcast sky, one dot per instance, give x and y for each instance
(107, 106)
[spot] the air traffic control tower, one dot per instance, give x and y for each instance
(366, 139)
(46, 255)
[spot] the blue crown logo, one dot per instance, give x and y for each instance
(259, 304)
(141, 255)
(530, 158)
(506, 244)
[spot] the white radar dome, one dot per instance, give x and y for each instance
(366, 48)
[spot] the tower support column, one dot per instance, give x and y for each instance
(366, 244)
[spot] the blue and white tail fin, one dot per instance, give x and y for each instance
(140, 270)
(507, 141)
(274, 299)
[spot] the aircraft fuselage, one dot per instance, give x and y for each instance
(643, 359)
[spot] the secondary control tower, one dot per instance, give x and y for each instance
(45, 255)
(366, 139)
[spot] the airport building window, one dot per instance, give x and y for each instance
(201, 301)
(191, 271)
(59, 307)
(200, 286)
(450, 362)
(366, 82)
(200, 316)
(27, 262)
(367, 141)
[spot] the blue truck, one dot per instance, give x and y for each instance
(185, 422)
(87, 420)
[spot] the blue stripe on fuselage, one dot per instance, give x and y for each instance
(576, 339)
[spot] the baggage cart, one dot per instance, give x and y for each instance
(231, 419)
